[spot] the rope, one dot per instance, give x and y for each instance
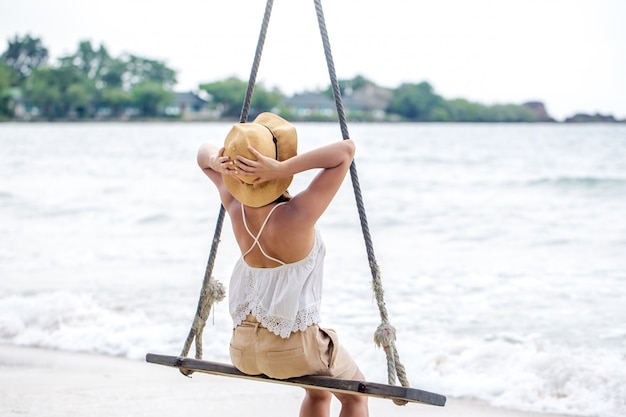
(257, 61)
(385, 335)
(213, 291)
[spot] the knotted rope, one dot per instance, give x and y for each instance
(213, 291)
(385, 335)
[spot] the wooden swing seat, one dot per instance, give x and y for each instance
(371, 389)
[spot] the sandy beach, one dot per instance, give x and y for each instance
(47, 383)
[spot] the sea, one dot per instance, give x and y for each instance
(502, 251)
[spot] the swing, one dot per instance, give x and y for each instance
(213, 291)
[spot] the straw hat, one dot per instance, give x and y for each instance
(273, 137)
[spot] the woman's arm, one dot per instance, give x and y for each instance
(213, 163)
(333, 159)
(267, 169)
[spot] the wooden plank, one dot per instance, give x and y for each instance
(372, 389)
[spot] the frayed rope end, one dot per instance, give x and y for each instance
(385, 335)
(216, 289)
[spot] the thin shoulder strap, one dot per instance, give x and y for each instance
(256, 238)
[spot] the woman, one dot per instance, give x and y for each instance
(275, 289)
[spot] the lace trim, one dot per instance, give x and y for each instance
(278, 325)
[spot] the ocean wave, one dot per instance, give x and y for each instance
(78, 322)
(154, 218)
(506, 370)
(582, 181)
(530, 375)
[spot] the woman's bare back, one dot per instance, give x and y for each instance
(282, 238)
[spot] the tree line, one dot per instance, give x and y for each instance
(83, 83)
(90, 83)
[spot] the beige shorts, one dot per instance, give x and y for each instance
(255, 350)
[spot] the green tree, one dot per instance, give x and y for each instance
(87, 60)
(462, 110)
(25, 55)
(149, 82)
(347, 86)
(418, 102)
(94, 64)
(115, 99)
(118, 82)
(230, 93)
(511, 113)
(79, 98)
(265, 100)
(141, 70)
(112, 74)
(150, 97)
(440, 114)
(7, 80)
(42, 90)
(110, 84)
(59, 92)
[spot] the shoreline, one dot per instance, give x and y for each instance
(328, 121)
(46, 383)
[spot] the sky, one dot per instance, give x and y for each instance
(569, 54)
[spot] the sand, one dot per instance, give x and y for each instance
(46, 383)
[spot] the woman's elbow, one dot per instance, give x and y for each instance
(350, 149)
(203, 156)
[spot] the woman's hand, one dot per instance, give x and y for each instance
(220, 163)
(263, 169)
(213, 161)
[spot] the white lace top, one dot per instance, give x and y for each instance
(285, 298)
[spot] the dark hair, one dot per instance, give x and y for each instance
(284, 197)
